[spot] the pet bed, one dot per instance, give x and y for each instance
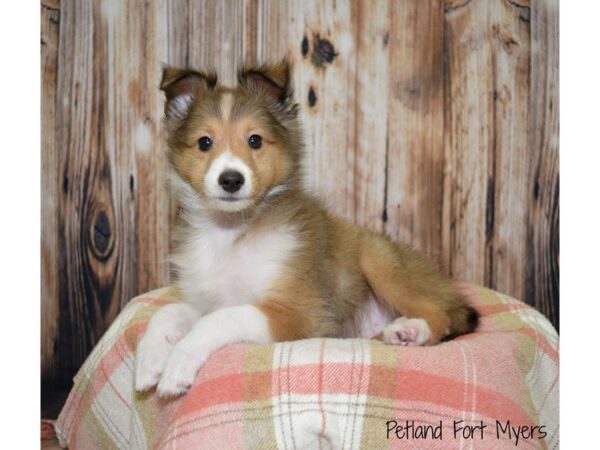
(496, 388)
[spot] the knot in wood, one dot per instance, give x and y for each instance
(101, 235)
(323, 52)
(312, 97)
(304, 46)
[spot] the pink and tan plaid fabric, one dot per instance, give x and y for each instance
(497, 388)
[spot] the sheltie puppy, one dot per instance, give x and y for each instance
(259, 260)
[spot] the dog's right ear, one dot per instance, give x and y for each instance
(272, 80)
(182, 87)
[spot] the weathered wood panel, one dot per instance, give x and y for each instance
(435, 121)
(322, 39)
(216, 36)
(78, 298)
(488, 122)
(96, 216)
(415, 157)
(469, 137)
(142, 132)
(542, 237)
(50, 19)
(373, 73)
(507, 177)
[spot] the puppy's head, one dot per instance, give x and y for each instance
(233, 147)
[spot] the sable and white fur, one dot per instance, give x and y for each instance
(259, 260)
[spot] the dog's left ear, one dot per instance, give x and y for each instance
(273, 80)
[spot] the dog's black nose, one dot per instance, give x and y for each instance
(231, 180)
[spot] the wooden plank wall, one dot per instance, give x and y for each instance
(435, 121)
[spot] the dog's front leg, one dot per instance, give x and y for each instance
(244, 323)
(165, 329)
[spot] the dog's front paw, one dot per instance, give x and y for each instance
(180, 372)
(407, 332)
(151, 355)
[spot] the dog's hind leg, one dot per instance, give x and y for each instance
(431, 307)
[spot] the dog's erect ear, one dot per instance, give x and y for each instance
(182, 87)
(273, 80)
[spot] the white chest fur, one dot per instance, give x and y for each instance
(220, 267)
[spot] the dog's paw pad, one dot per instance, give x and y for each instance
(407, 332)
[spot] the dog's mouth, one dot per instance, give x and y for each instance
(232, 199)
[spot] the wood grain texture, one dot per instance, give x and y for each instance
(82, 200)
(507, 177)
(542, 239)
(415, 157)
(372, 73)
(216, 36)
(325, 85)
(469, 134)
(50, 22)
(435, 121)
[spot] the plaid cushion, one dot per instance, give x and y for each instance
(485, 390)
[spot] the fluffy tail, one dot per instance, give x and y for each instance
(411, 286)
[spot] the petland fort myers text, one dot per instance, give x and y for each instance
(459, 429)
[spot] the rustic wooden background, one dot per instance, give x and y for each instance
(440, 116)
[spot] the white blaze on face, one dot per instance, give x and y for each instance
(225, 105)
(224, 200)
(227, 161)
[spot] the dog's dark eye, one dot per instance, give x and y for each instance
(204, 143)
(255, 141)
